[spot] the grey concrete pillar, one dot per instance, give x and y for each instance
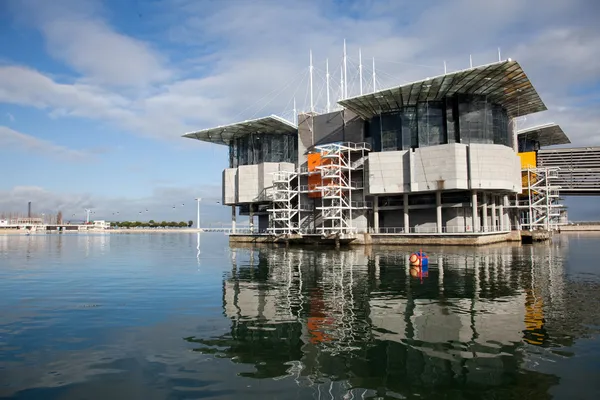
(484, 211)
(493, 199)
(506, 216)
(251, 218)
(474, 218)
(376, 214)
(438, 210)
(502, 219)
(406, 216)
(232, 219)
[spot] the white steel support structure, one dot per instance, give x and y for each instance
(337, 186)
(285, 204)
(541, 208)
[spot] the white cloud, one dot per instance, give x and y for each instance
(257, 48)
(76, 35)
(11, 140)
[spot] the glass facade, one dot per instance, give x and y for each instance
(457, 119)
(261, 147)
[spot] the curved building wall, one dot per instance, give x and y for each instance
(263, 147)
(453, 166)
(458, 119)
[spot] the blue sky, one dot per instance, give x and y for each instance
(94, 95)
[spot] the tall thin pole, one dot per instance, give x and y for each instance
(312, 105)
(499, 55)
(295, 117)
(374, 80)
(345, 72)
(471, 60)
(198, 213)
(327, 83)
(445, 69)
(360, 71)
(341, 82)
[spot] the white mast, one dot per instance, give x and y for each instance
(471, 60)
(327, 83)
(445, 69)
(345, 73)
(499, 55)
(312, 105)
(374, 84)
(295, 117)
(341, 83)
(360, 71)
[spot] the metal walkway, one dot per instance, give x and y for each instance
(579, 172)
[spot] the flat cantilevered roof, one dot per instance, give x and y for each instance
(547, 134)
(224, 134)
(503, 83)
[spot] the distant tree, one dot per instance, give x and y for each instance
(190, 223)
(183, 224)
(152, 223)
(172, 224)
(163, 224)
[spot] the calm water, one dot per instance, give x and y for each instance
(151, 317)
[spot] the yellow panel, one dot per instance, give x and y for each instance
(528, 159)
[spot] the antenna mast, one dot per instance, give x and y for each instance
(445, 69)
(345, 73)
(471, 60)
(374, 84)
(312, 105)
(341, 83)
(295, 117)
(360, 71)
(499, 55)
(327, 83)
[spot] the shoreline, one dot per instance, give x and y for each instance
(108, 231)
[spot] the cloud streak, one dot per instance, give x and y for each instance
(13, 140)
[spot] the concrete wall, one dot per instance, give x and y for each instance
(494, 167)
(229, 187)
(247, 183)
(389, 172)
(253, 183)
(360, 222)
(452, 166)
(439, 167)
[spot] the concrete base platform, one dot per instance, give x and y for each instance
(469, 239)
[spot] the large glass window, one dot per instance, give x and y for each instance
(431, 124)
(259, 148)
(410, 138)
(457, 119)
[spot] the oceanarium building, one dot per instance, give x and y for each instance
(433, 157)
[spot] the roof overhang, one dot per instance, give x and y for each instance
(226, 133)
(547, 134)
(504, 83)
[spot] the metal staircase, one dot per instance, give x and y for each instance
(285, 204)
(337, 186)
(541, 209)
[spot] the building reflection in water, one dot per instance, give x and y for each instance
(356, 322)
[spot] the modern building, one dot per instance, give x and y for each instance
(435, 157)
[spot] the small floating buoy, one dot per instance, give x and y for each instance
(419, 264)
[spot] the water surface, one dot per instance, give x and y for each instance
(155, 316)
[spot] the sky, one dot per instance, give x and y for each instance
(95, 95)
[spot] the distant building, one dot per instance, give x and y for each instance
(100, 224)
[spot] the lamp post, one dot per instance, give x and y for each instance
(198, 199)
